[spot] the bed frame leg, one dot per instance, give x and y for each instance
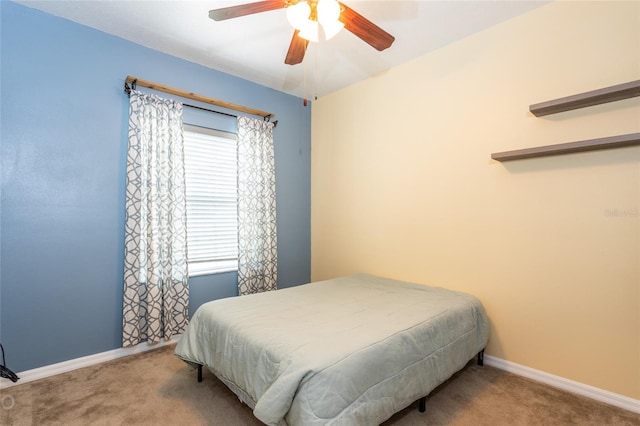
(422, 404)
(481, 357)
(199, 373)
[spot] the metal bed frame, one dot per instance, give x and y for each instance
(422, 402)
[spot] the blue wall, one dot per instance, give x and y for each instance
(63, 135)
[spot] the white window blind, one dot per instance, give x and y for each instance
(212, 217)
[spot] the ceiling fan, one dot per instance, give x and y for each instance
(310, 13)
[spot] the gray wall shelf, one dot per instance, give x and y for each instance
(582, 100)
(570, 147)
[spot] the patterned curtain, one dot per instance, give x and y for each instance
(257, 242)
(156, 292)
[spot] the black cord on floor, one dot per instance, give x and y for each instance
(4, 371)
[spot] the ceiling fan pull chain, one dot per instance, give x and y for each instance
(315, 72)
(304, 83)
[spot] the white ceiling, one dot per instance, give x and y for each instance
(254, 47)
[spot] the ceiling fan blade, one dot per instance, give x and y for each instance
(297, 49)
(246, 9)
(366, 30)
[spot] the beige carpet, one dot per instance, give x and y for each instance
(155, 388)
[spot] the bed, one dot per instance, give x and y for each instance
(348, 351)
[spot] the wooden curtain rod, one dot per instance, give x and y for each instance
(196, 97)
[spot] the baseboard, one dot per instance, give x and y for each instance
(597, 394)
(86, 361)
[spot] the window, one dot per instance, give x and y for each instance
(210, 158)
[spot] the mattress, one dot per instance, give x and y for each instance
(352, 350)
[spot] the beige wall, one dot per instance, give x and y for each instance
(403, 186)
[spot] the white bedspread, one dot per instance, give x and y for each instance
(348, 351)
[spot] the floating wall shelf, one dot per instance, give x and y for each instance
(566, 148)
(594, 97)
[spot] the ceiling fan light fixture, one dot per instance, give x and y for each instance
(328, 10)
(309, 31)
(298, 14)
(308, 17)
(331, 28)
(328, 16)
